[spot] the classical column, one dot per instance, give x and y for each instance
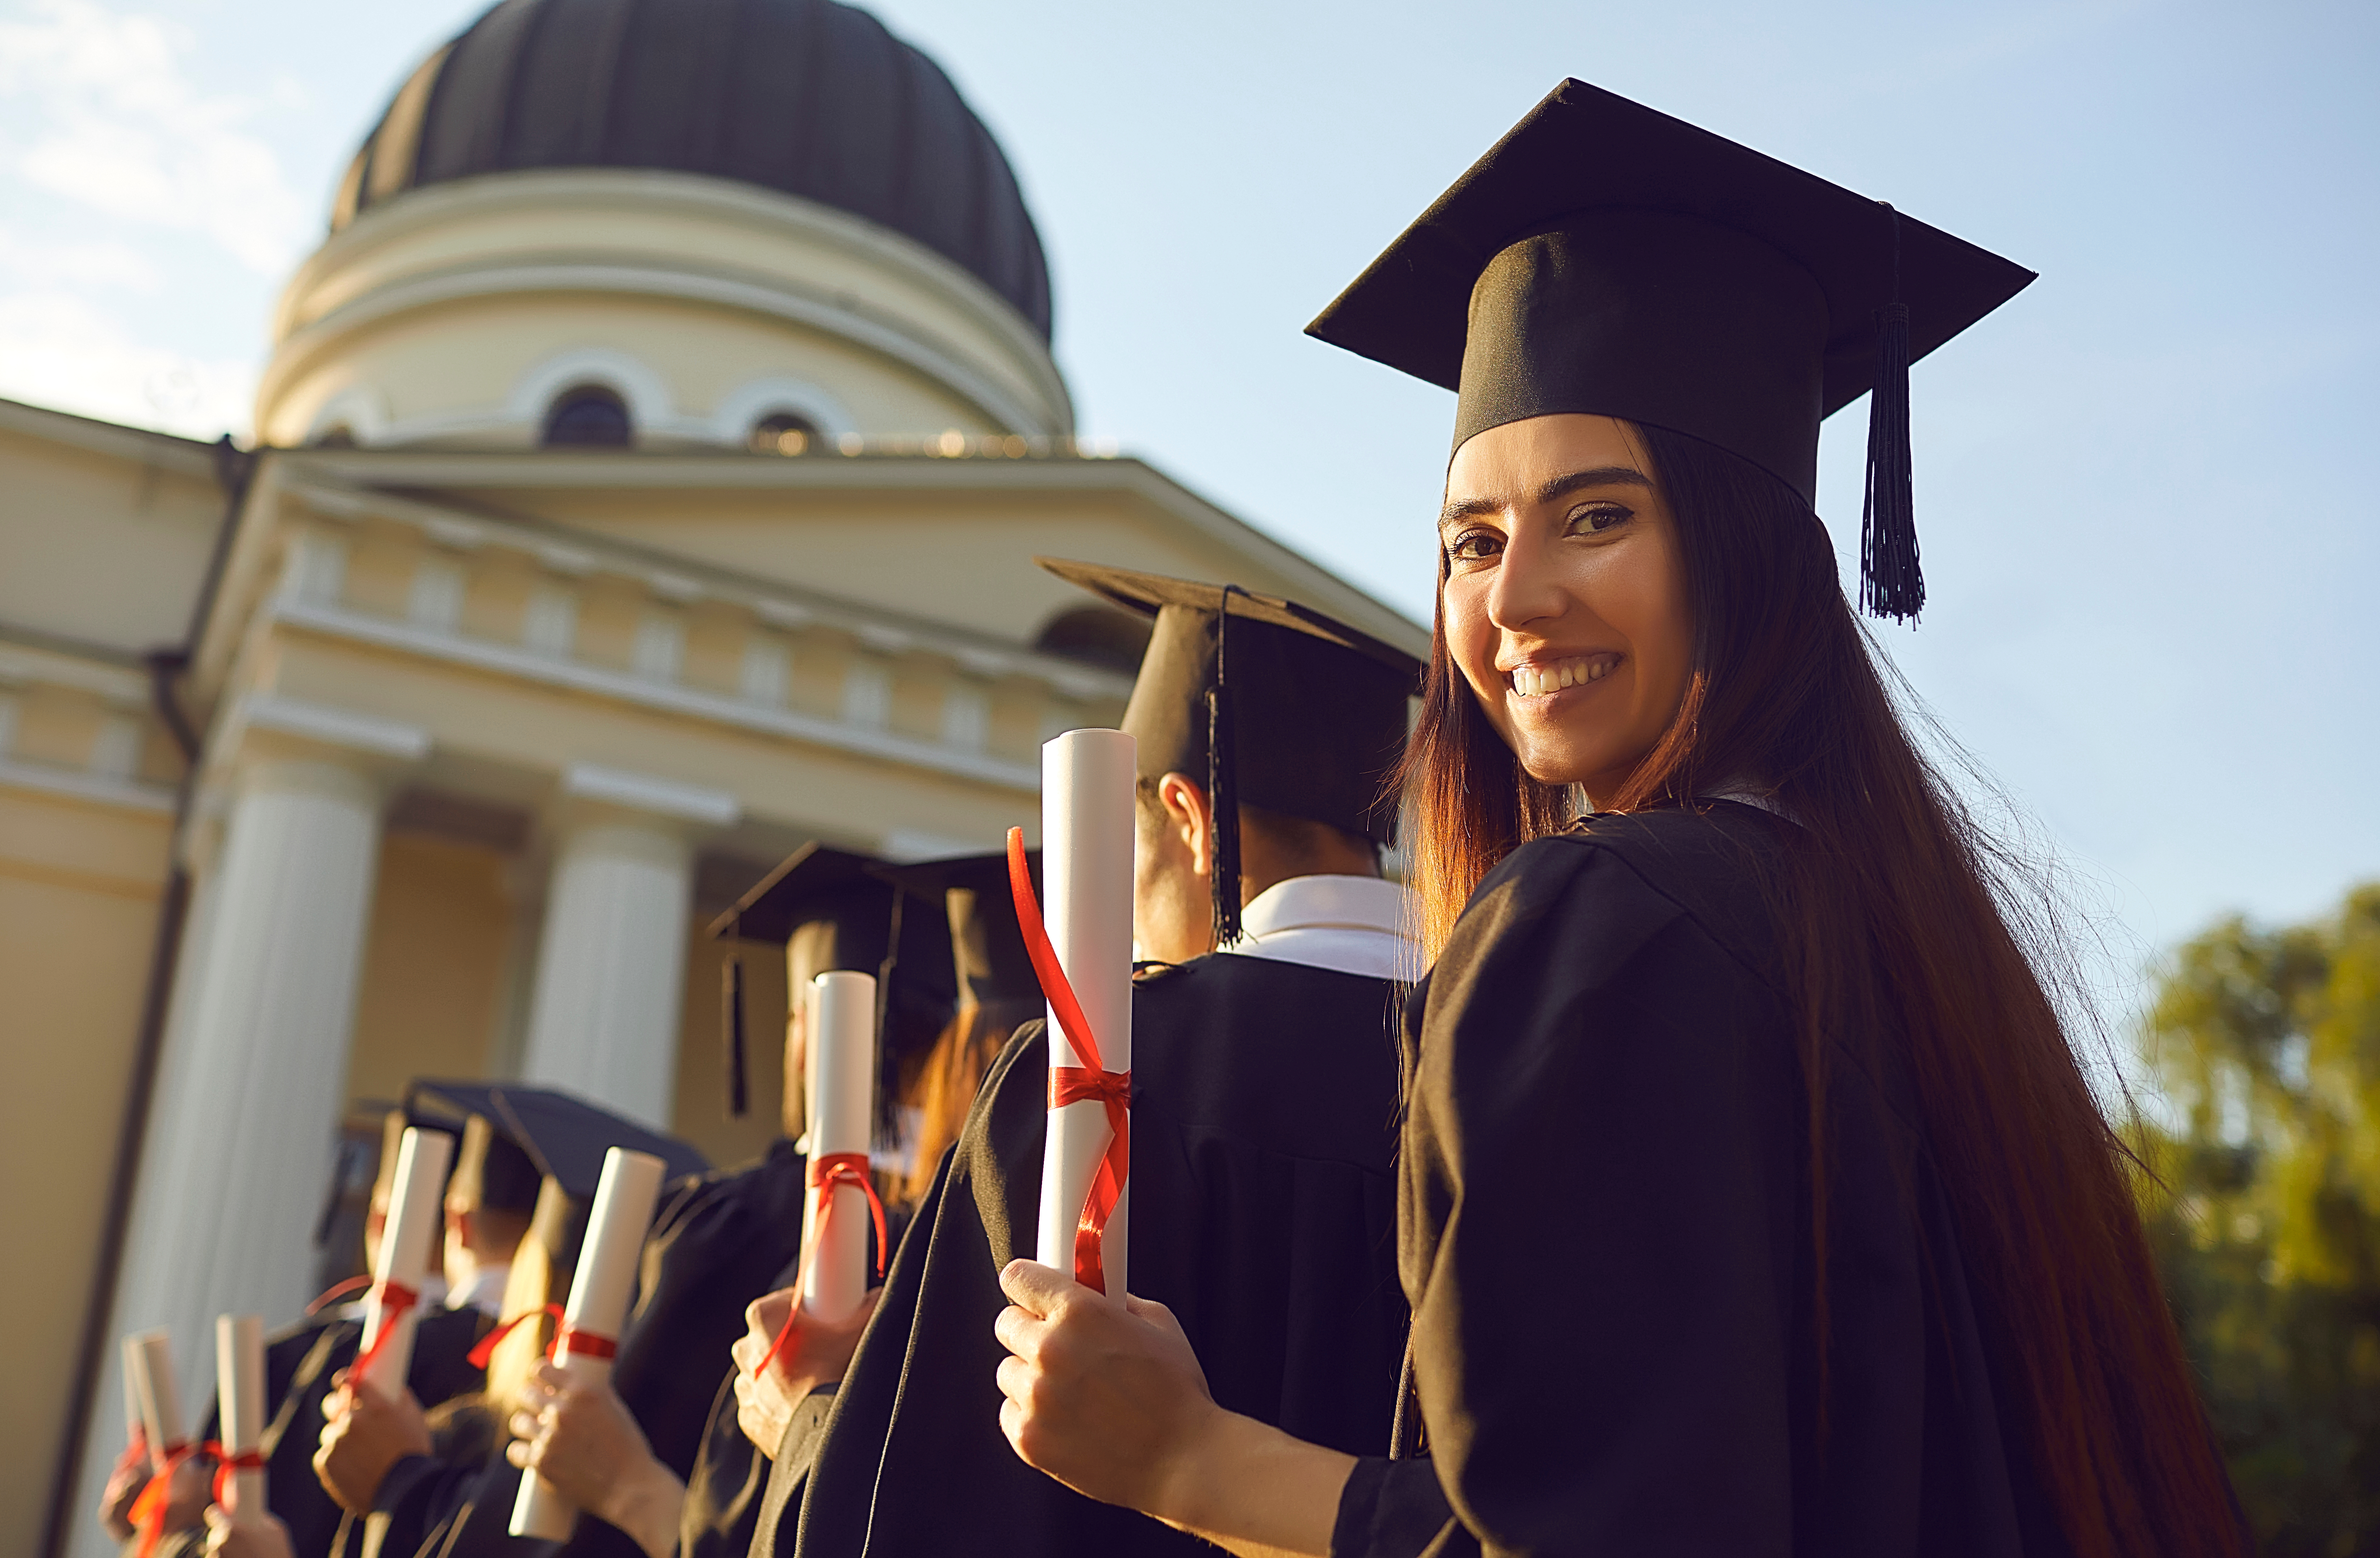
(253, 1078)
(611, 966)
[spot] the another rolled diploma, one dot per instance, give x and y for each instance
(1087, 839)
(608, 1259)
(408, 1241)
(841, 1075)
(149, 1364)
(240, 1405)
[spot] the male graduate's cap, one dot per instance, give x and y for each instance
(1604, 258)
(560, 1136)
(1282, 707)
(988, 955)
(848, 920)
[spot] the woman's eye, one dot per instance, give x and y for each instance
(1595, 517)
(1475, 546)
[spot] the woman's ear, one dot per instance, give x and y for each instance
(1189, 820)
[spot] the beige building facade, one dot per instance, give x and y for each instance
(611, 530)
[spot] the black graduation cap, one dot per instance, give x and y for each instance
(849, 919)
(562, 1137)
(1280, 705)
(1608, 259)
(491, 1170)
(988, 955)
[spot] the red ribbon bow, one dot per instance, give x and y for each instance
(824, 1174)
(229, 1461)
(1075, 1084)
(149, 1510)
(394, 1299)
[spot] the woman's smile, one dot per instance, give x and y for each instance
(1538, 681)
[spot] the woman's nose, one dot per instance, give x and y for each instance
(1523, 593)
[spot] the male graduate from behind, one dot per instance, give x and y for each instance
(1264, 1104)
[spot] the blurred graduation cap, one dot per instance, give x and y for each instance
(1608, 259)
(823, 906)
(559, 1137)
(988, 957)
(1279, 704)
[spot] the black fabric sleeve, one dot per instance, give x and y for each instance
(1393, 1509)
(1602, 1157)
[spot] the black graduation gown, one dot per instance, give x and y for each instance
(1264, 1103)
(1605, 1232)
(719, 1242)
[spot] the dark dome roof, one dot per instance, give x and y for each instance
(806, 96)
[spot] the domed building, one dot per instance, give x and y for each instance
(649, 468)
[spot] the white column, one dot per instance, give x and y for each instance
(253, 1078)
(611, 965)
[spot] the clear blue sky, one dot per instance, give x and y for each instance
(2144, 488)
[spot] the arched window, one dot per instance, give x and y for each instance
(1098, 635)
(588, 415)
(338, 435)
(783, 433)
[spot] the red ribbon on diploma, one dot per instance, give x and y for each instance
(394, 1299)
(485, 1349)
(229, 1461)
(149, 1510)
(824, 1174)
(1073, 1084)
(570, 1342)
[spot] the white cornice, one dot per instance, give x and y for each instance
(95, 789)
(183, 456)
(682, 580)
(551, 470)
(643, 792)
(576, 676)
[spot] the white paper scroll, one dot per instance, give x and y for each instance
(409, 1240)
(149, 1363)
(606, 1281)
(239, 1407)
(1086, 838)
(840, 1074)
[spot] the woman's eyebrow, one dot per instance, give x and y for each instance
(1598, 476)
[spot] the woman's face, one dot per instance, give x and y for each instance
(1565, 601)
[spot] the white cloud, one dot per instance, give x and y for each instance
(60, 350)
(117, 126)
(88, 266)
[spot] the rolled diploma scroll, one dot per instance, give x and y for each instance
(842, 1077)
(239, 1404)
(409, 1240)
(149, 1362)
(608, 1259)
(1086, 836)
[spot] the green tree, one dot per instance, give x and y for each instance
(2266, 1212)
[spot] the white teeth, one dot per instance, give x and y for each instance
(1537, 681)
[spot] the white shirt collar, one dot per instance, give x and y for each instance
(1350, 924)
(485, 1292)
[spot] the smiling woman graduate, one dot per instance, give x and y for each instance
(1752, 1200)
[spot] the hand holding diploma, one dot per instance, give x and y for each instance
(364, 1433)
(589, 1336)
(408, 1241)
(1105, 1395)
(783, 1355)
(580, 1437)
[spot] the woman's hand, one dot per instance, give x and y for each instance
(581, 1439)
(818, 1353)
(1107, 1397)
(364, 1433)
(124, 1484)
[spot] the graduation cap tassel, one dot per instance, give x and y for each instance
(1224, 875)
(1222, 790)
(1891, 585)
(731, 1009)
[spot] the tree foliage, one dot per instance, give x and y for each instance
(2266, 1212)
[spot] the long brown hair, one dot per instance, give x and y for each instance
(1904, 920)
